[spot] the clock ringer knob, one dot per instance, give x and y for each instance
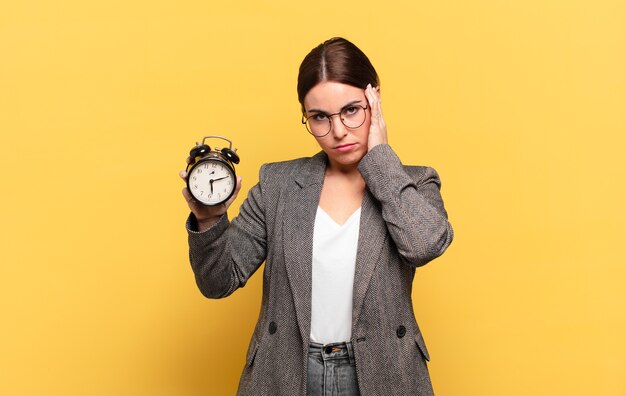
(230, 155)
(199, 151)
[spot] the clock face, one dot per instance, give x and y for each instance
(211, 182)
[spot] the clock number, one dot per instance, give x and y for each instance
(199, 170)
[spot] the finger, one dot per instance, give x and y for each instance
(369, 94)
(377, 115)
(371, 100)
(182, 174)
(191, 202)
(234, 196)
(374, 98)
(189, 160)
(188, 197)
(377, 110)
(378, 100)
(380, 113)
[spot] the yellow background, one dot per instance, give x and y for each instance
(520, 106)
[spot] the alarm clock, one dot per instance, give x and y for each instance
(211, 177)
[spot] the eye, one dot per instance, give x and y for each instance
(319, 117)
(350, 110)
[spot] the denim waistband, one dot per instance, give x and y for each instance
(333, 351)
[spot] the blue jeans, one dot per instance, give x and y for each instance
(331, 370)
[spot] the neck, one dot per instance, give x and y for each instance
(347, 172)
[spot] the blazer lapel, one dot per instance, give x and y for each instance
(372, 234)
(298, 222)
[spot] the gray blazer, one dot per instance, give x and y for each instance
(403, 225)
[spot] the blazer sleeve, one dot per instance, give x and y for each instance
(411, 205)
(225, 256)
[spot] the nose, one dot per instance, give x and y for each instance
(337, 128)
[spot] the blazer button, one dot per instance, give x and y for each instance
(272, 327)
(401, 331)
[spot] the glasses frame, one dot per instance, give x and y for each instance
(330, 120)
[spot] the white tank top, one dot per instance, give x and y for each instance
(334, 260)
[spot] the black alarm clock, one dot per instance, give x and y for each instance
(211, 177)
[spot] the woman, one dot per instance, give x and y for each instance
(341, 234)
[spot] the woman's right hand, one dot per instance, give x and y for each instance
(207, 216)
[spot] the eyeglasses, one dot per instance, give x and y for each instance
(320, 124)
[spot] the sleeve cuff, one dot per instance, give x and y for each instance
(217, 228)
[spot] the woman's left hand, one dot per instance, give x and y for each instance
(378, 128)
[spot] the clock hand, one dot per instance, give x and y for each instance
(225, 177)
(211, 183)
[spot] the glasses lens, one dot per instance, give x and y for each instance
(353, 116)
(318, 125)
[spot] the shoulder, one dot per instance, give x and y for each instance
(283, 170)
(288, 167)
(383, 163)
(302, 170)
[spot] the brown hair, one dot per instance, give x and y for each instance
(336, 59)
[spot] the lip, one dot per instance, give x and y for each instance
(345, 147)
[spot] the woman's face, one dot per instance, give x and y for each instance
(344, 146)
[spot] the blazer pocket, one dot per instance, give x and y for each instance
(421, 345)
(254, 346)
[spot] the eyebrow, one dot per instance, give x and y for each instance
(352, 103)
